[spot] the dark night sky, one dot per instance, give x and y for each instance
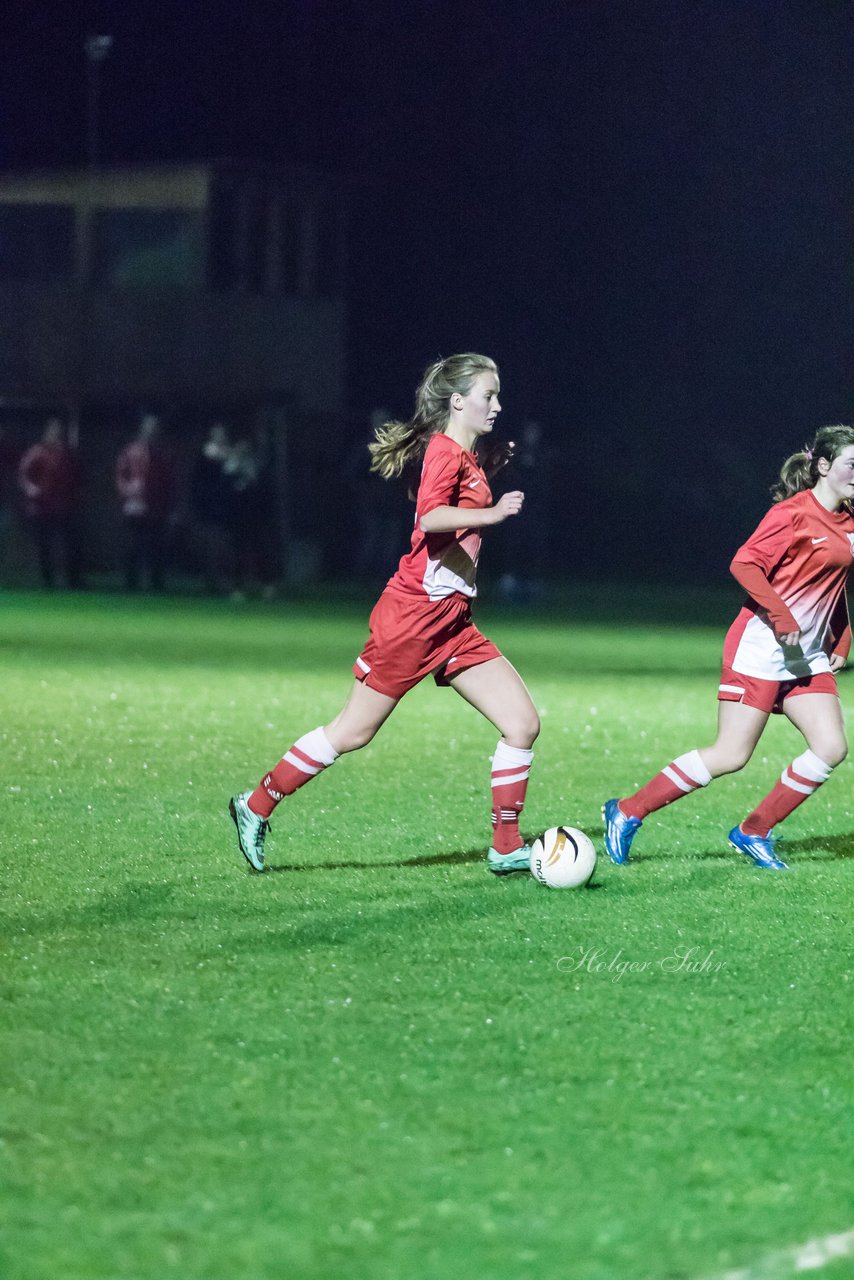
(643, 210)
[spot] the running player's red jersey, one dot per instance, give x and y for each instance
(439, 564)
(805, 552)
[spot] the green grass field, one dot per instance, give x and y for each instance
(376, 1061)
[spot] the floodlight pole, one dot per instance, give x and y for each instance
(97, 50)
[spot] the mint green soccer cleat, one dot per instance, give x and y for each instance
(502, 864)
(251, 830)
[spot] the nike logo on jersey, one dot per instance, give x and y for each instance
(473, 484)
(814, 541)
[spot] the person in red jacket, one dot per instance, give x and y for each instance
(145, 485)
(780, 654)
(9, 456)
(422, 623)
(48, 478)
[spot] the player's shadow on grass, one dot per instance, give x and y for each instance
(817, 848)
(427, 860)
(809, 849)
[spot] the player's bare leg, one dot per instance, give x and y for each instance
(363, 714)
(818, 716)
(498, 692)
(356, 723)
(739, 730)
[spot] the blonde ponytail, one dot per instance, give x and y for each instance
(397, 444)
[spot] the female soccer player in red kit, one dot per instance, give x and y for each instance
(422, 623)
(780, 654)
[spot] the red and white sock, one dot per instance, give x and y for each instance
(306, 759)
(510, 769)
(686, 774)
(797, 783)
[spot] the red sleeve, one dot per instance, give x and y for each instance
(770, 541)
(757, 586)
(756, 560)
(439, 484)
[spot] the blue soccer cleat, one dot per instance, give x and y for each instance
(759, 849)
(619, 831)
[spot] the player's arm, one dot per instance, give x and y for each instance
(755, 561)
(447, 519)
(753, 580)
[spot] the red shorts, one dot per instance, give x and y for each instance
(412, 637)
(769, 695)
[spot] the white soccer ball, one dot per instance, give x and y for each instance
(563, 858)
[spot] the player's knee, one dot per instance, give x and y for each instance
(357, 737)
(524, 731)
(728, 761)
(832, 752)
(350, 737)
(738, 759)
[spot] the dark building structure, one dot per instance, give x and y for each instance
(198, 291)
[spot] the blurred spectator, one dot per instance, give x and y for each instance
(231, 507)
(145, 482)
(8, 471)
(248, 522)
(523, 557)
(210, 499)
(48, 477)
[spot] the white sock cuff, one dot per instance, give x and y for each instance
(511, 757)
(811, 766)
(317, 746)
(692, 764)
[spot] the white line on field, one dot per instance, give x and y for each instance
(795, 1260)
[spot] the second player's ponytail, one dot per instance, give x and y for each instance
(800, 470)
